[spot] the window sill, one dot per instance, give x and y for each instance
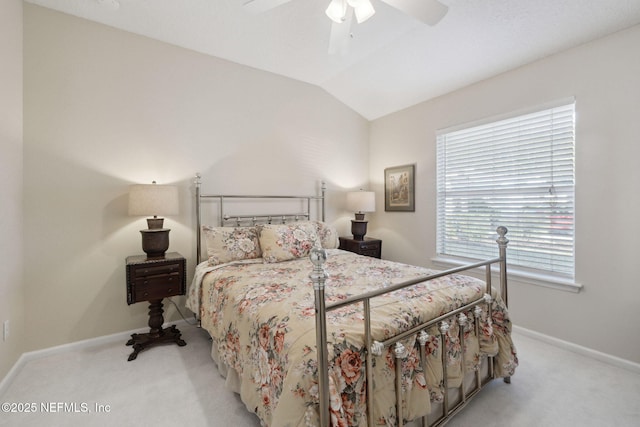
(538, 279)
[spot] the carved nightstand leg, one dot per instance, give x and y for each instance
(137, 348)
(176, 335)
(156, 334)
(156, 318)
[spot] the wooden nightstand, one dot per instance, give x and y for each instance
(369, 246)
(152, 279)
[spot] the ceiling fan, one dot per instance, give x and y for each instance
(341, 12)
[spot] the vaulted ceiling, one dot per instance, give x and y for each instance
(392, 60)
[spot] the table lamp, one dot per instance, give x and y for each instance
(360, 202)
(154, 199)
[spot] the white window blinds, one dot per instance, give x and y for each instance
(519, 173)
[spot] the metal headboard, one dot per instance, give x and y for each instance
(225, 219)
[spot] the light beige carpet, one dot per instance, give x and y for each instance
(180, 386)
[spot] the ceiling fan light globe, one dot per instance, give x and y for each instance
(364, 11)
(357, 3)
(337, 10)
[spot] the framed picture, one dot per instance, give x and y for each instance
(399, 190)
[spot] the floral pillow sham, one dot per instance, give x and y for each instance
(226, 244)
(284, 242)
(327, 234)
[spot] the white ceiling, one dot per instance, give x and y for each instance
(393, 61)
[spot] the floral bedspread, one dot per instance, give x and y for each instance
(262, 321)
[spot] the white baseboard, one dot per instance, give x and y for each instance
(77, 345)
(584, 351)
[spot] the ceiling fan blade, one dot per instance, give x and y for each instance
(428, 11)
(341, 35)
(259, 6)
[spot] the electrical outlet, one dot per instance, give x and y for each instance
(5, 330)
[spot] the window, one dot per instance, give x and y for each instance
(517, 172)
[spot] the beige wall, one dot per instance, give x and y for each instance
(11, 295)
(604, 78)
(105, 109)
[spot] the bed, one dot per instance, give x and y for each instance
(310, 335)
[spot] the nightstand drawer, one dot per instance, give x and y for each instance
(375, 253)
(153, 271)
(368, 247)
(157, 287)
(150, 279)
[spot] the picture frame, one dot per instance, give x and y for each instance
(399, 188)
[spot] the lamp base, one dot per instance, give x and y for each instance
(155, 242)
(358, 229)
(155, 223)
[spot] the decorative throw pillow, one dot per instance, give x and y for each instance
(328, 235)
(283, 242)
(226, 244)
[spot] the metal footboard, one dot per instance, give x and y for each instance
(376, 348)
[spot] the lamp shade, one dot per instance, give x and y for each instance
(361, 201)
(153, 199)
